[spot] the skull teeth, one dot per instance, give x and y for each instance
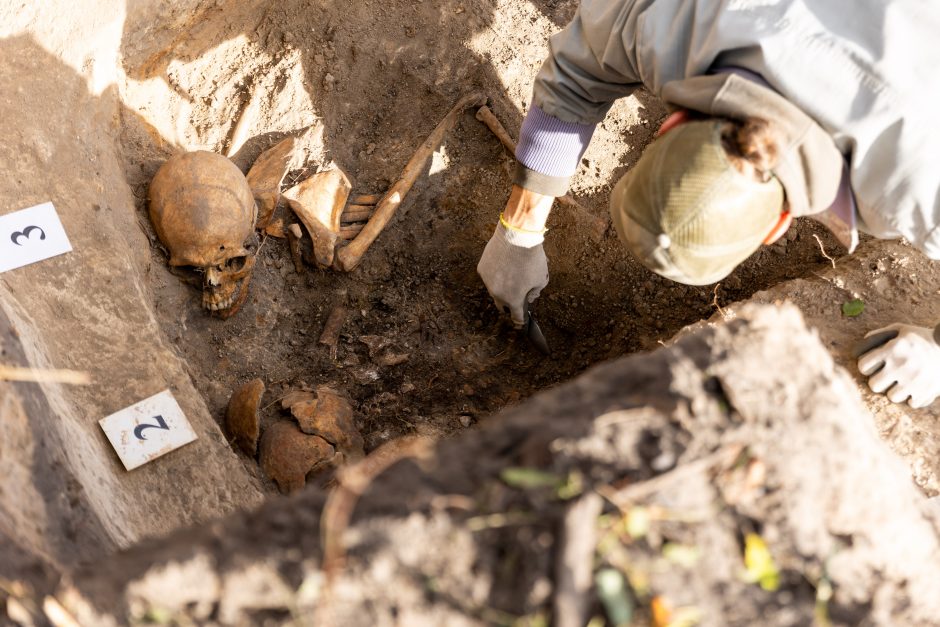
(221, 305)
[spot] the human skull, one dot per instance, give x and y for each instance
(204, 212)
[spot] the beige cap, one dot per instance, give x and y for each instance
(687, 213)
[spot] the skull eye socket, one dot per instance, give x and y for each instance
(236, 264)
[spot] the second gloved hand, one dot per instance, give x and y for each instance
(514, 269)
(906, 367)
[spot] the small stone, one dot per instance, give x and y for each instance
(407, 387)
(465, 421)
(241, 416)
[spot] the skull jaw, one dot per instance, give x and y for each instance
(225, 298)
(226, 302)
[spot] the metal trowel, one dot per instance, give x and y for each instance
(533, 331)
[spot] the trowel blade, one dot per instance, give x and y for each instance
(534, 332)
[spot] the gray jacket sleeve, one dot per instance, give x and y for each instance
(591, 63)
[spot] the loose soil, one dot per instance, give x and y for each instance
(376, 79)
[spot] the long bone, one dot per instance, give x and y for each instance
(348, 258)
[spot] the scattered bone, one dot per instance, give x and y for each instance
(380, 351)
(332, 328)
(241, 417)
(389, 358)
(276, 229)
(294, 234)
(288, 455)
(330, 416)
(350, 231)
(365, 199)
(357, 213)
(204, 212)
(349, 257)
(267, 174)
(597, 225)
(292, 398)
(318, 201)
(324, 195)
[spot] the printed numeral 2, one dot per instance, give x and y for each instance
(161, 424)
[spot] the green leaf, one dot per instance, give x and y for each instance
(853, 308)
(614, 593)
(530, 478)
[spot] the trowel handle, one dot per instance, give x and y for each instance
(873, 341)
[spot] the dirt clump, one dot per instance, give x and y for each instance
(705, 458)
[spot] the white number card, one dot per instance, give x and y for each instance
(147, 430)
(31, 235)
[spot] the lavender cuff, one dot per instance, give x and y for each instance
(549, 150)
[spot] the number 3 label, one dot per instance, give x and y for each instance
(31, 235)
(147, 430)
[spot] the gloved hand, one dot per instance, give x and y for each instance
(514, 269)
(911, 364)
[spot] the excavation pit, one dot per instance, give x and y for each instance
(100, 102)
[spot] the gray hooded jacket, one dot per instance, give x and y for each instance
(857, 80)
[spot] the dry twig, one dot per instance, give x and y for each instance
(627, 496)
(574, 565)
(42, 375)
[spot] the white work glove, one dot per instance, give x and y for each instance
(514, 269)
(911, 364)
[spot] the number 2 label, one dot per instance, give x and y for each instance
(148, 429)
(31, 235)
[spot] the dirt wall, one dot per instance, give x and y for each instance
(448, 538)
(68, 499)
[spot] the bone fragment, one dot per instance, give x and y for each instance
(597, 225)
(294, 234)
(365, 199)
(292, 398)
(288, 454)
(357, 213)
(241, 416)
(324, 195)
(334, 324)
(349, 257)
(330, 416)
(276, 229)
(266, 176)
(350, 231)
(318, 201)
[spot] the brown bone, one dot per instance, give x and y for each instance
(348, 258)
(597, 225)
(267, 174)
(241, 417)
(318, 201)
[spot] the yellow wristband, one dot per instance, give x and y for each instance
(502, 220)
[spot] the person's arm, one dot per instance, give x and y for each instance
(588, 68)
(591, 63)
